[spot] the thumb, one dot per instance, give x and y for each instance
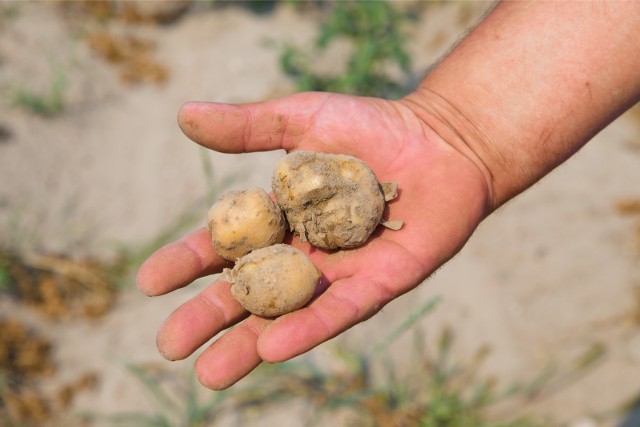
(261, 126)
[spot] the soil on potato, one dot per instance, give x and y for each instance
(332, 201)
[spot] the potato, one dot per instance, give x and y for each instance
(331, 200)
(241, 221)
(273, 281)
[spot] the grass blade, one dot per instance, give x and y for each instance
(407, 324)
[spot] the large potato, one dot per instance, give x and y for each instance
(241, 221)
(331, 200)
(273, 281)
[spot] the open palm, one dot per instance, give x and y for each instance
(443, 196)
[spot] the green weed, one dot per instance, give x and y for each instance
(5, 278)
(364, 386)
(8, 11)
(184, 406)
(375, 32)
(47, 104)
(406, 325)
(436, 392)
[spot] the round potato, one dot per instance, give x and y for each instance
(241, 221)
(331, 200)
(273, 281)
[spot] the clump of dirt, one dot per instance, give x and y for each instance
(132, 55)
(145, 12)
(21, 351)
(23, 357)
(628, 206)
(631, 207)
(25, 361)
(57, 286)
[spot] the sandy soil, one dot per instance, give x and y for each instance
(550, 276)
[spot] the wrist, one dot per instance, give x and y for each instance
(458, 131)
(530, 85)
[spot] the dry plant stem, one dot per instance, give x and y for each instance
(531, 84)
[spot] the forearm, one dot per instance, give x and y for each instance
(531, 84)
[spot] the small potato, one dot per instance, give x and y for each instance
(241, 221)
(331, 200)
(273, 281)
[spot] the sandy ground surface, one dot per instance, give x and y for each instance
(550, 276)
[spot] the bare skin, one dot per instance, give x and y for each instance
(516, 98)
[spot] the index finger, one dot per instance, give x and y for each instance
(179, 263)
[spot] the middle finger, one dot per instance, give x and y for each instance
(198, 320)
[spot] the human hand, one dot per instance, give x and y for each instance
(443, 195)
